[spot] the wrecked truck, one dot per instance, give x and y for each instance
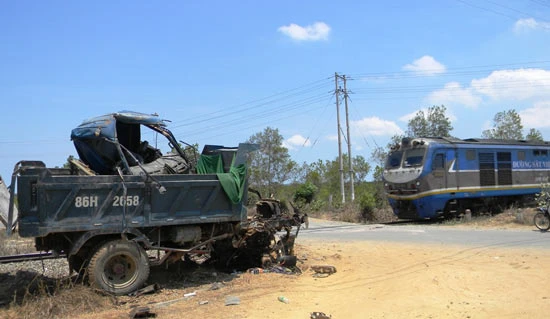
(124, 206)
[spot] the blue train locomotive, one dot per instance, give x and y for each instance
(434, 177)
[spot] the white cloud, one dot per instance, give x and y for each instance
(536, 116)
(314, 32)
(375, 126)
(517, 84)
(525, 25)
(296, 141)
(426, 65)
(453, 93)
(407, 117)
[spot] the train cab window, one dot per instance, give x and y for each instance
(470, 155)
(414, 157)
(438, 162)
(394, 159)
(521, 155)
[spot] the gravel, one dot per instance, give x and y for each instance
(19, 279)
(52, 268)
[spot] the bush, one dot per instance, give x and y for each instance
(305, 193)
(543, 197)
(367, 204)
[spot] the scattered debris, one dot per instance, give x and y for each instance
(217, 285)
(319, 315)
(145, 290)
(323, 269)
(284, 270)
(232, 300)
(283, 299)
(275, 269)
(142, 312)
(256, 271)
(203, 302)
(190, 294)
(167, 303)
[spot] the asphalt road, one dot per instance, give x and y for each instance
(425, 234)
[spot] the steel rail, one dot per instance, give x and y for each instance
(29, 257)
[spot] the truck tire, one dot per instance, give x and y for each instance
(119, 267)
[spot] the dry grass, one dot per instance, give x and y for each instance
(15, 245)
(352, 214)
(509, 219)
(36, 296)
(47, 298)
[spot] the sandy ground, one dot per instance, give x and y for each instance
(373, 280)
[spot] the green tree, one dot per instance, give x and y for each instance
(326, 175)
(432, 123)
(380, 154)
(191, 152)
(534, 135)
(506, 126)
(271, 166)
(67, 164)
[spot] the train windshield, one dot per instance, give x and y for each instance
(394, 159)
(414, 157)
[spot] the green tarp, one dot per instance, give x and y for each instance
(232, 182)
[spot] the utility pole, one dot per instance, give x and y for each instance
(341, 170)
(337, 92)
(352, 188)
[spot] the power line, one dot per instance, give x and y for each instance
(449, 72)
(542, 3)
(251, 118)
(320, 114)
(487, 9)
(306, 98)
(271, 99)
(509, 8)
(435, 88)
(270, 117)
(247, 125)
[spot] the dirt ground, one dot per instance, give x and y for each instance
(373, 280)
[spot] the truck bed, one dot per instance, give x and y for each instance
(52, 200)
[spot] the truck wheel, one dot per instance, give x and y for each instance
(119, 267)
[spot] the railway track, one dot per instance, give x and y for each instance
(31, 256)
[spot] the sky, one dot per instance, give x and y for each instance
(222, 71)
